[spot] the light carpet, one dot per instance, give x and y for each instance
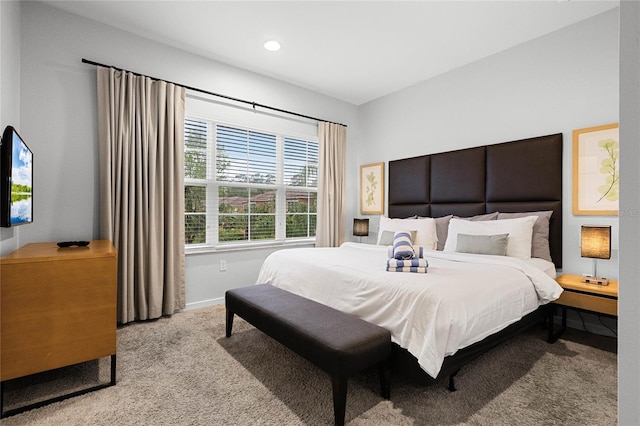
(181, 370)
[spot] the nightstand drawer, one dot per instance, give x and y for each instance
(588, 302)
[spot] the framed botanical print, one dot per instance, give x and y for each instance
(596, 170)
(372, 188)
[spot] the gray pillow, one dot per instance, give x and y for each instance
(481, 217)
(442, 225)
(442, 229)
(540, 235)
(483, 244)
(386, 239)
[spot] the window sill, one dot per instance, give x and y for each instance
(200, 249)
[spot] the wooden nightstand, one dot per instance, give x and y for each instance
(582, 296)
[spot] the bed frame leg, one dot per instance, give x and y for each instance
(452, 385)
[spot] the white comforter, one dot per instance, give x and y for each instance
(460, 300)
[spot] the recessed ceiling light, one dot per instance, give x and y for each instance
(272, 46)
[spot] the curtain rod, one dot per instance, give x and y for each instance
(195, 89)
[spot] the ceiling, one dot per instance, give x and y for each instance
(355, 51)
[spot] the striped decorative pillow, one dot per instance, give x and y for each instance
(402, 245)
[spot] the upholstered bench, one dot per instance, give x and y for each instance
(338, 343)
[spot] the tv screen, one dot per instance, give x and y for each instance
(16, 176)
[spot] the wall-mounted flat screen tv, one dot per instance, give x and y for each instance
(16, 180)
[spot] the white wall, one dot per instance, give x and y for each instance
(629, 330)
(59, 122)
(563, 81)
(9, 92)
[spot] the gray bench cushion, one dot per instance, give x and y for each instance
(336, 342)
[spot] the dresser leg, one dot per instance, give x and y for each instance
(42, 403)
(113, 370)
(1, 400)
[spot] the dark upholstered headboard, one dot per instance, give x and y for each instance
(519, 176)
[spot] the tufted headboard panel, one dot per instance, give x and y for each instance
(518, 176)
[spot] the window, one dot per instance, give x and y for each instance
(247, 186)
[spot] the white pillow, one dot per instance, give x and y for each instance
(520, 231)
(426, 235)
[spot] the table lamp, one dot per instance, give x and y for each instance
(595, 243)
(360, 228)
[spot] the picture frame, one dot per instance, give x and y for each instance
(372, 188)
(596, 170)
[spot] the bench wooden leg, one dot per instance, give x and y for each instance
(229, 322)
(385, 379)
(339, 399)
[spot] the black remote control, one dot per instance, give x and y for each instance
(73, 243)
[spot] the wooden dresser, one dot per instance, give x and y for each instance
(57, 307)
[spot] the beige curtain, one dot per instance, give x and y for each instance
(331, 184)
(141, 138)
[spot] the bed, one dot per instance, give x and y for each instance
(466, 303)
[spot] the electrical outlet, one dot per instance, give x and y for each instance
(223, 265)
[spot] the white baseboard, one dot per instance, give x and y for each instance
(204, 304)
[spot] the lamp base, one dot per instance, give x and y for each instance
(590, 279)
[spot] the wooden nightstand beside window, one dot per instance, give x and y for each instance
(582, 296)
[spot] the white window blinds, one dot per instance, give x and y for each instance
(263, 187)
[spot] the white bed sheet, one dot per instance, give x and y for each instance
(462, 299)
